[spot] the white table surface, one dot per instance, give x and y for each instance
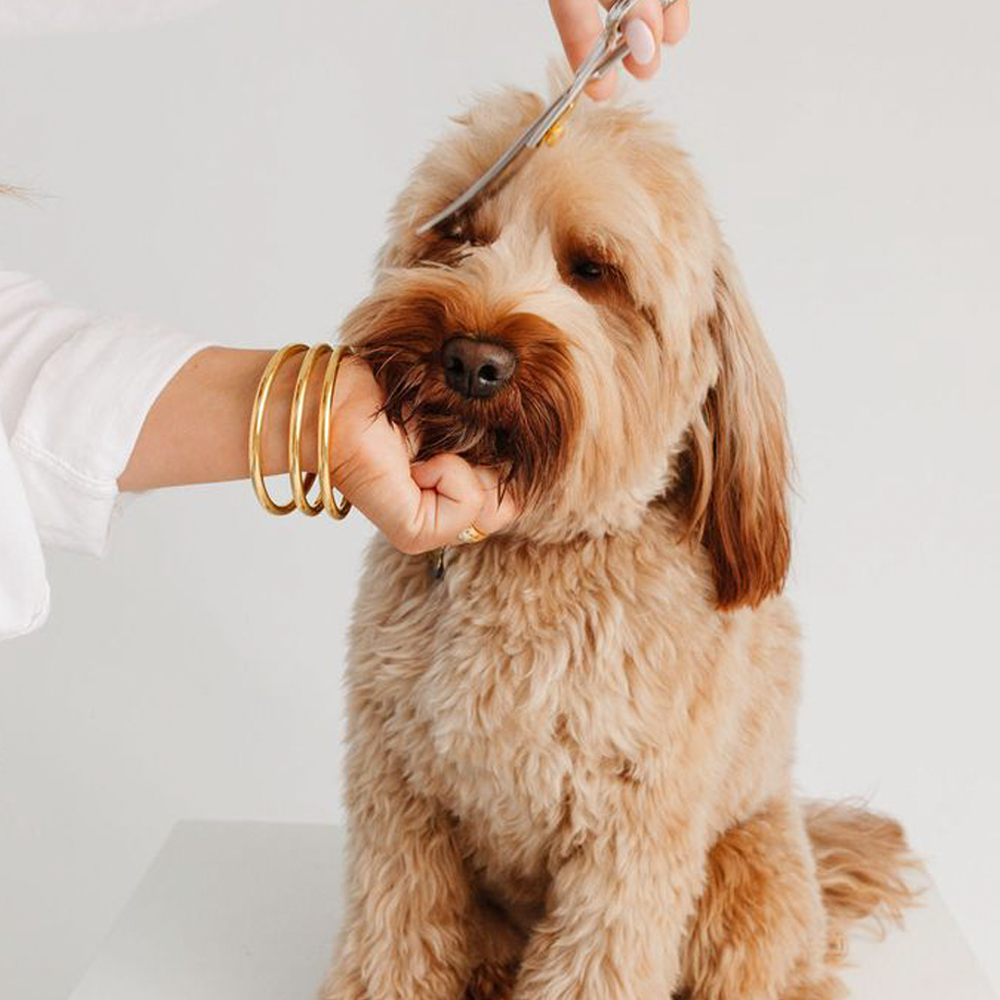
(248, 911)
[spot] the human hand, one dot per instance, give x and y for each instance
(196, 432)
(419, 507)
(580, 25)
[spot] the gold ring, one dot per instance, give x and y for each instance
(301, 485)
(473, 535)
(257, 429)
(338, 511)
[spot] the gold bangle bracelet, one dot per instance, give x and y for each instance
(257, 429)
(338, 511)
(300, 485)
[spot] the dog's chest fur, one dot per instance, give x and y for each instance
(517, 688)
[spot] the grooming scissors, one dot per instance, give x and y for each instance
(610, 49)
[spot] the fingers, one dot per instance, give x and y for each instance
(580, 25)
(643, 33)
(494, 515)
(676, 21)
(452, 496)
(419, 507)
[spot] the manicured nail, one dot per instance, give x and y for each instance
(640, 41)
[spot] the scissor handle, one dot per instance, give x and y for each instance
(615, 55)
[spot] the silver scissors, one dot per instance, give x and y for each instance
(608, 52)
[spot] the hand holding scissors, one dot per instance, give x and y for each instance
(579, 25)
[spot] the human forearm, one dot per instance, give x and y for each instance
(196, 431)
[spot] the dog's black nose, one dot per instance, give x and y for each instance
(477, 367)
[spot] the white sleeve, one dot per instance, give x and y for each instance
(74, 392)
(24, 590)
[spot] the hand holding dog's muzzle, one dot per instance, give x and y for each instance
(418, 507)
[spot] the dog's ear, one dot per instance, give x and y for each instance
(737, 466)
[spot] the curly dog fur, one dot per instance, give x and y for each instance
(569, 771)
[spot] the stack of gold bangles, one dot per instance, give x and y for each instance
(301, 484)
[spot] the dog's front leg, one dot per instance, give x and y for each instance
(616, 914)
(405, 935)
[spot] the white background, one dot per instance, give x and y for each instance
(229, 173)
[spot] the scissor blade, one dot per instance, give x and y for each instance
(608, 51)
(484, 182)
(531, 138)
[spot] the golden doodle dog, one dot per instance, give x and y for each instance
(569, 767)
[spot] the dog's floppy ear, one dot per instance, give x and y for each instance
(738, 461)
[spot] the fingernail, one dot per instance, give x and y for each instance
(640, 41)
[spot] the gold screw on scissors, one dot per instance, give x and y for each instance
(555, 133)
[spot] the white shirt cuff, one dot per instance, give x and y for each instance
(81, 421)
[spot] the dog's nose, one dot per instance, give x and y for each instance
(477, 368)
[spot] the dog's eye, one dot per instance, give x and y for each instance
(464, 230)
(455, 232)
(595, 277)
(588, 270)
(450, 243)
(442, 247)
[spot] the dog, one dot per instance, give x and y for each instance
(570, 751)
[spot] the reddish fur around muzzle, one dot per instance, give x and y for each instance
(525, 430)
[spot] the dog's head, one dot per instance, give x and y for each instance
(583, 330)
